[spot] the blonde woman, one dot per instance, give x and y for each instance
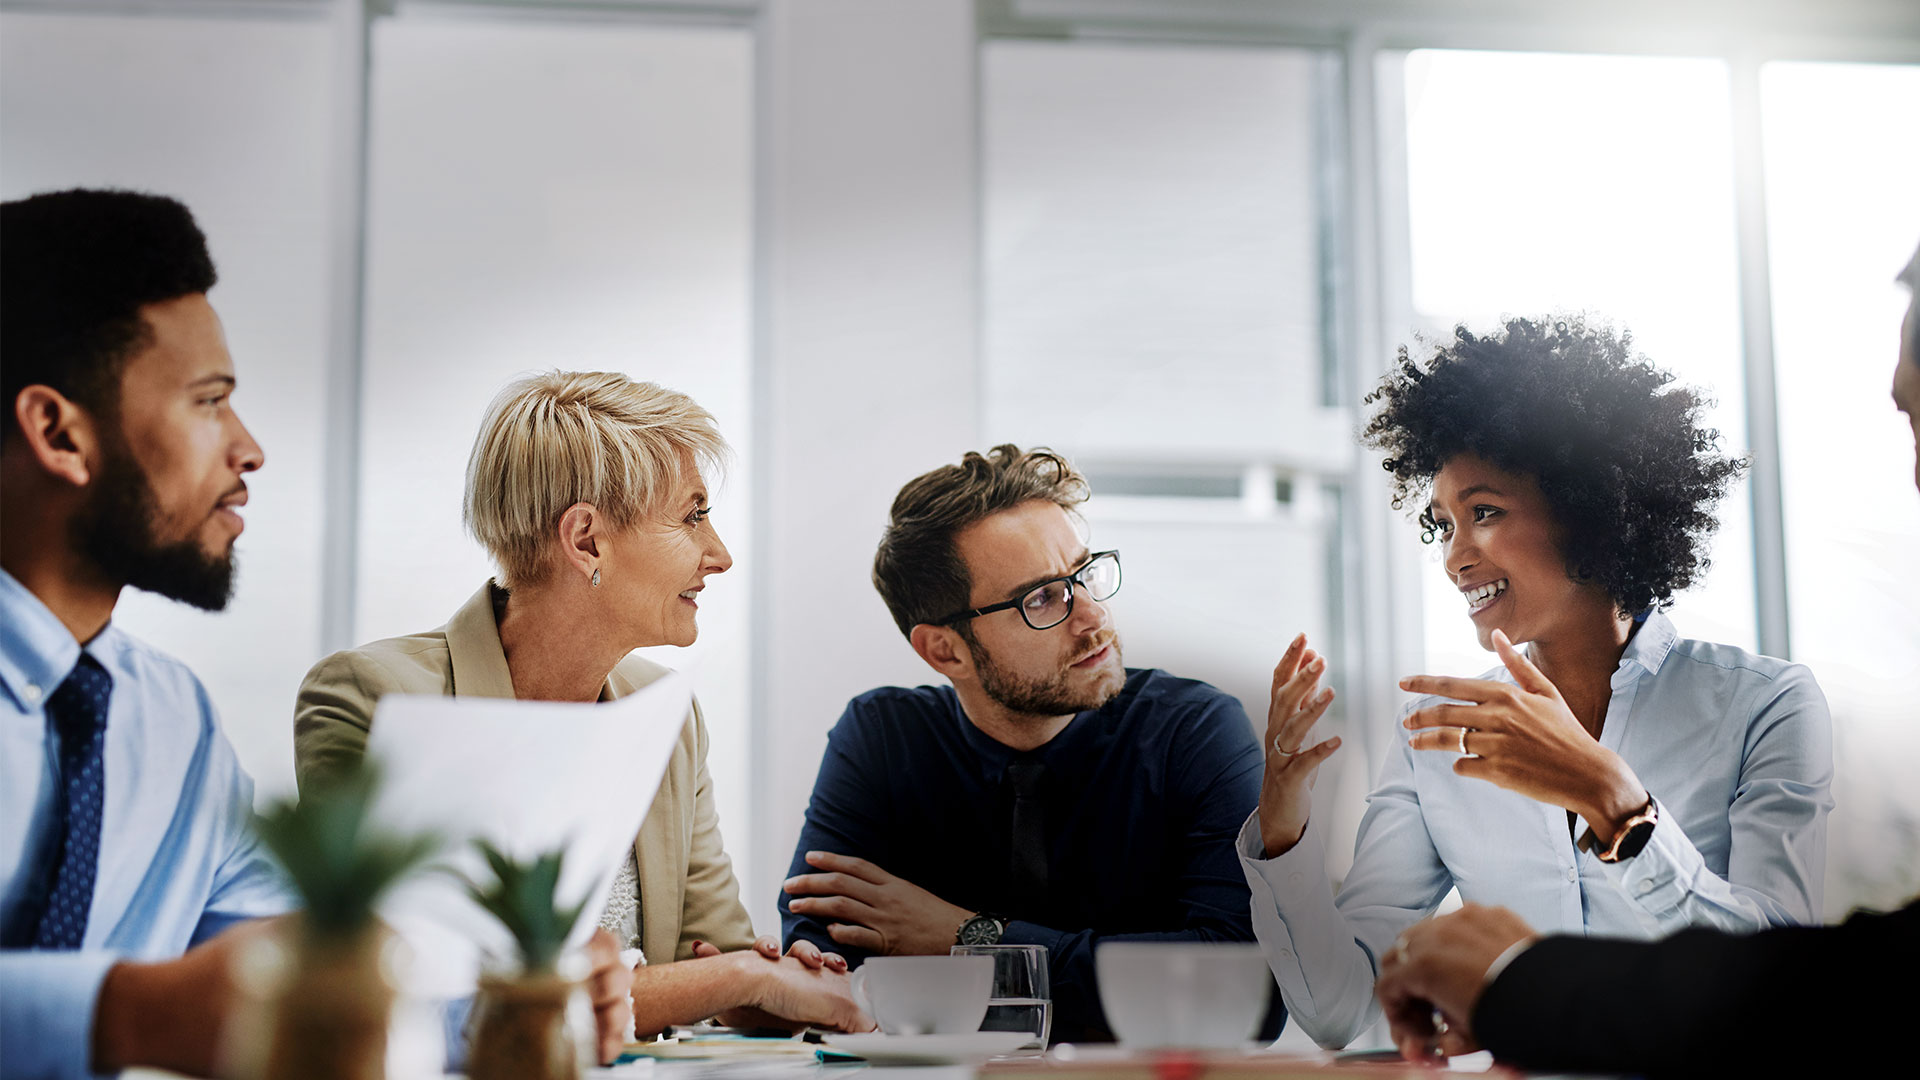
(588, 490)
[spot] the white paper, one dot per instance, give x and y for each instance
(529, 777)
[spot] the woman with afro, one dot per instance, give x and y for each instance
(1611, 778)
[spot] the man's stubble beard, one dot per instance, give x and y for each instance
(1041, 697)
(115, 531)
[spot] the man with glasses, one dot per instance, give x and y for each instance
(1049, 796)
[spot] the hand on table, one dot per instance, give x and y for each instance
(1286, 787)
(1432, 977)
(169, 1014)
(1523, 737)
(870, 909)
(789, 992)
(806, 952)
(610, 988)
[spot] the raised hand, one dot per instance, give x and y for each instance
(1286, 788)
(1522, 737)
(870, 909)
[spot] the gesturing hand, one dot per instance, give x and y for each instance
(1440, 966)
(1286, 788)
(873, 910)
(1525, 739)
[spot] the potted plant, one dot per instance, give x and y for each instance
(520, 1029)
(329, 998)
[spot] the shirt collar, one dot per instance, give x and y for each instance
(473, 648)
(1647, 649)
(36, 649)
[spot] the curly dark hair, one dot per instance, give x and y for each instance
(76, 267)
(1629, 474)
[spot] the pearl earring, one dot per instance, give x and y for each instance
(595, 582)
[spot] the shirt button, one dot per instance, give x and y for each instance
(32, 692)
(1296, 879)
(1285, 956)
(1645, 886)
(1572, 874)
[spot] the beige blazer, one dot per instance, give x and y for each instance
(687, 889)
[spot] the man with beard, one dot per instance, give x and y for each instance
(125, 852)
(1049, 796)
(123, 811)
(1695, 1004)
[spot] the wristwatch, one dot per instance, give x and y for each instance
(981, 929)
(1631, 838)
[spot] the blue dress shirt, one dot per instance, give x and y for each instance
(1142, 798)
(1736, 750)
(177, 861)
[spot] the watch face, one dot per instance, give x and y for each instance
(981, 930)
(1636, 839)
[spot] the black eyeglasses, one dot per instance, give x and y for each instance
(1048, 604)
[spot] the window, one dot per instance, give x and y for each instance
(1841, 220)
(1156, 266)
(1544, 183)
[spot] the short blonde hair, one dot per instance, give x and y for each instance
(563, 437)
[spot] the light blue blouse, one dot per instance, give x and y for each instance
(1736, 749)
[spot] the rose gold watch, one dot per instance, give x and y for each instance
(1632, 837)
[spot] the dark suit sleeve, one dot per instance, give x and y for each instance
(1705, 1002)
(845, 815)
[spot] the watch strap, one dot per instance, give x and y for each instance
(1630, 840)
(998, 922)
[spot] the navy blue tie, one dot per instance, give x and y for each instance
(78, 714)
(1027, 865)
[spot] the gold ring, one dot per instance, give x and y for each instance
(1282, 753)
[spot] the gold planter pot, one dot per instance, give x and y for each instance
(317, 1008)
(521, 1030)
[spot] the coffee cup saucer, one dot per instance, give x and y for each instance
(959, 1048)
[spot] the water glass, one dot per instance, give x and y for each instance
(1022, 998)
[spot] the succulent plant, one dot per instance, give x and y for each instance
(337, 863)
(522, 898)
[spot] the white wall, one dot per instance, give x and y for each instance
(232, 117)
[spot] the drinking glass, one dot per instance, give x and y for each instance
(1022, 998)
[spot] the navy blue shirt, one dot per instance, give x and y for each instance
(1142, 799)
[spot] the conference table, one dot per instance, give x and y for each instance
(801, 1061)
(796, 1060)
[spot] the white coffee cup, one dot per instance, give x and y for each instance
(1176, 993)
(925, 995)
